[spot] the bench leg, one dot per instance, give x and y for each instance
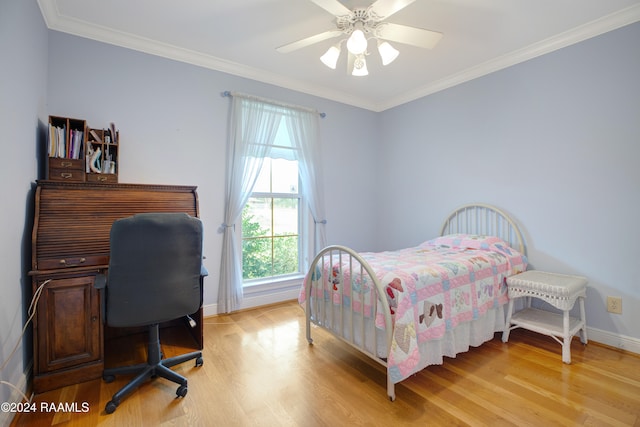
(583, 319)
(507, 325)
(566, 341)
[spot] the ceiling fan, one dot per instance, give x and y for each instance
(361, 25)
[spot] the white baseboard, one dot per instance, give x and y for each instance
(256, 301)
(614, 340)
(7, 417)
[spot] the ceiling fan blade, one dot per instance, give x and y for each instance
(308, 41)
(409, 35)
(386, 8)
(334, 7)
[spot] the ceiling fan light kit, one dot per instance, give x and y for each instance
(387, 52)
(330, 58)
(362, 25)
(360, 66)
(357, 42)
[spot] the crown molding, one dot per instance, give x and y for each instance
(55, 21)
(592, 29)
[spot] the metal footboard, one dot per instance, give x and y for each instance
(336, 287)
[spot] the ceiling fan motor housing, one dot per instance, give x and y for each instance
(362, 19)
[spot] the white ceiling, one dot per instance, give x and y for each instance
(240, 37)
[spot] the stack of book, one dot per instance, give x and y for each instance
(65, 144)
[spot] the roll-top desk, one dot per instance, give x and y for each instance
(70, 245)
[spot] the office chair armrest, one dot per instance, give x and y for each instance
(100, 282)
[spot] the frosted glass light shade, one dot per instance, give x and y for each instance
(357, 42)
(387, 52)
(360, 67)
(330, 58)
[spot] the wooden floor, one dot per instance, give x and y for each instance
(260, 371)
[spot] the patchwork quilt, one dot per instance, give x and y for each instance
(431, 288)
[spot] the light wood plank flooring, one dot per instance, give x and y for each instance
(260, 371)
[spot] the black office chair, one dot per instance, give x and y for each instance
(155, 275)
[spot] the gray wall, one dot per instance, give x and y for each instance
(552, 140)
(23, 78)
(555, 141)
(173, 125)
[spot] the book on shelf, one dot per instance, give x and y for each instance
(63, 144)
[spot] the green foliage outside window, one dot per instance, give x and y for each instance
(264, 255)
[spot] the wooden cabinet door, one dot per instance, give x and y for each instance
(68, 325)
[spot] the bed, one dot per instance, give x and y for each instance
(407, 309)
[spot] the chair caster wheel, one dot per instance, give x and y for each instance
(182, 391)
(111, 407)
(199, 361)
(108, 378)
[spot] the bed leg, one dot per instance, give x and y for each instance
(308, 327)
(391, 390)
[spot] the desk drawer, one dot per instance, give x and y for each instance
(66, 170)
(66, 175)
(102, 177)
(72, 261)
(58, 163)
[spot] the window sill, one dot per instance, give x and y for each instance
(272, 285)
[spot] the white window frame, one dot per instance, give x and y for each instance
(306, 226)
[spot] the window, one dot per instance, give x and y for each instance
(271, 219)
(284, 214)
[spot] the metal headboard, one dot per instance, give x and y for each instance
(485, 220)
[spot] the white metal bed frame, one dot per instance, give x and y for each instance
(480, 219)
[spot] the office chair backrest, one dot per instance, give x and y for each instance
(154, 269)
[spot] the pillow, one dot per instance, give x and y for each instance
(517, 261)
(470, 241)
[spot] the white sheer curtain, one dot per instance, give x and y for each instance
(303, 129)
(253, 128)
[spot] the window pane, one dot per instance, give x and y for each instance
(270, 223)
(285, 255)
(285, 217)
(285, 176)
(256, 258)
(256, 217)
(282, 136)
(263, 184)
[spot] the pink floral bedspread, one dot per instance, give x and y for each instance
(431, 288)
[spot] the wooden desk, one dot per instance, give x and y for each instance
(70, 245)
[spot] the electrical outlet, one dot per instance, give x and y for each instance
(614, 305)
